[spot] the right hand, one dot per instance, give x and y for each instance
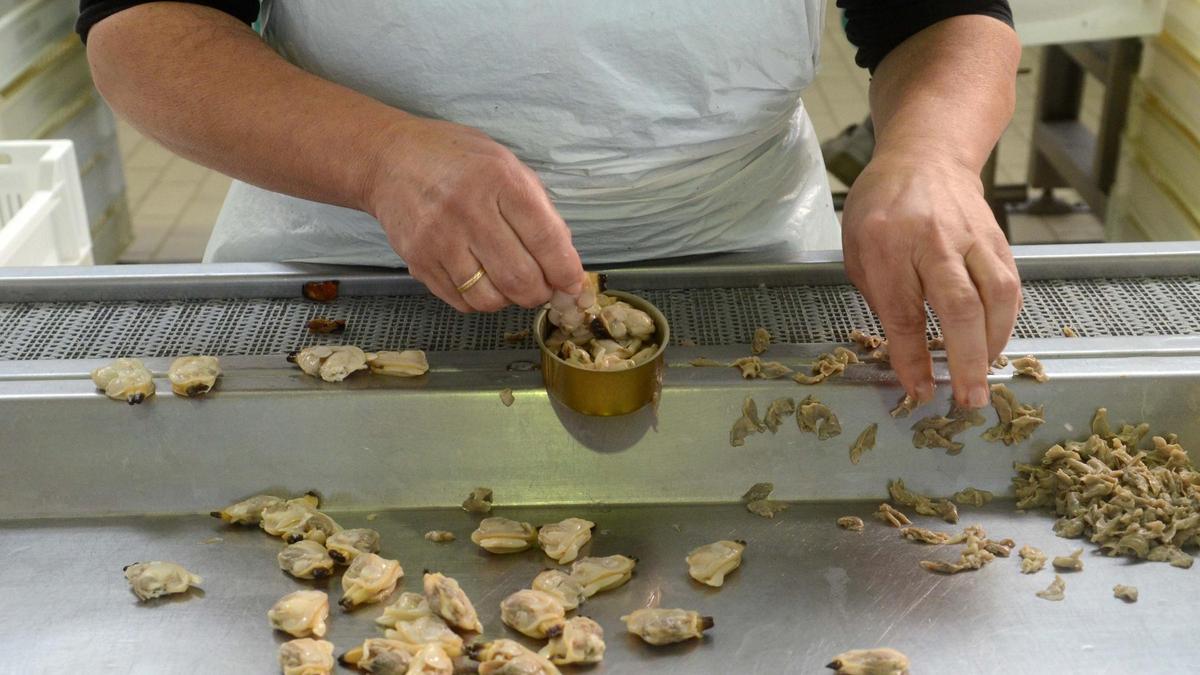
(452, 200)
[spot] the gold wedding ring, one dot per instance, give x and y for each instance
(466, 285)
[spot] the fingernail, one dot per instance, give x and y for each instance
(575, 288)
(925, 392)
(977, 397)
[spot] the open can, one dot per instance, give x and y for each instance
(604, 392)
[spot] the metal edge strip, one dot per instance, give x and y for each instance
(272, 280)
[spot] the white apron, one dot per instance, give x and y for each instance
(661, 128)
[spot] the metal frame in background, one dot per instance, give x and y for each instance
(1065, 153)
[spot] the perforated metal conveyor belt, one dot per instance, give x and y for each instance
(804, 314)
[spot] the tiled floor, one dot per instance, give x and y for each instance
(175, 202)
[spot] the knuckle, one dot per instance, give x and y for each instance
(1005, 288)
(958, 303)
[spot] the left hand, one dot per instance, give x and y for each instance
(916, 229)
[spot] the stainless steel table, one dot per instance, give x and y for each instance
(81, 472)
(806, 591)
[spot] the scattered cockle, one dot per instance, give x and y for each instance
(757, 500)
(479, 501)
(938, 431)
(748, 423)
(710, 563)
(827, 366)
(300, 613)
(508, 657)
(1016, 420)
(812, 416)
(852, 523)
(154, 579)
(866, 341)
(126, 380)
(408, 606)
(972, 496)
(1029, 366)
(973, 556)
(879, 661)
(602, 574)
(659, 626)
(1056, 591)
(332, 363)
(370, 578)
(904, 407)
(503, 535)
(381, 656)
(1032, 559)
(924, 536)
(864, 442)
(298, 519)
(577, 640)
(561, 585)
(890, 515)
(447, 600)
(193, 375)
(306, 656)
(1126, 593)
(424, 630)
(761, 341)
(346, 545)
(776, 411)
(439, 536)
(1073, 562)
(532, 612)
(925, 506)
(752, 367)
(562, 540)
(431, 659)
(248, 511)
(408, 363)
(305, 560)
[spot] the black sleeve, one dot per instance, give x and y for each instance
(91, 12)
(875, 27)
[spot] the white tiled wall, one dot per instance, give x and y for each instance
(175, 202)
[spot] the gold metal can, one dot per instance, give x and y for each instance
(605, 392)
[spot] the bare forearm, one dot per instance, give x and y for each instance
(947, 92)
(207, 87)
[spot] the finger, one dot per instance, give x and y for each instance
(482, 295)
(511, 268)
(995, 275)
(954, 297)
(542, 232)
(896, 298)
(438, 283)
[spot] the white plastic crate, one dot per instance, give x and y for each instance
(42, 217)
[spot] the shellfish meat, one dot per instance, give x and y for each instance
(531, 612)
(658, 626)
(710, 563)
(306, 656)
(154, 579)
(562, 540)
(300, 614)
(126, 380)
(370, 578)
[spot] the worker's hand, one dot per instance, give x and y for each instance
(452, 201)
(915, 229)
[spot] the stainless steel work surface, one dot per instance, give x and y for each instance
(806, 591)
(81, 472)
